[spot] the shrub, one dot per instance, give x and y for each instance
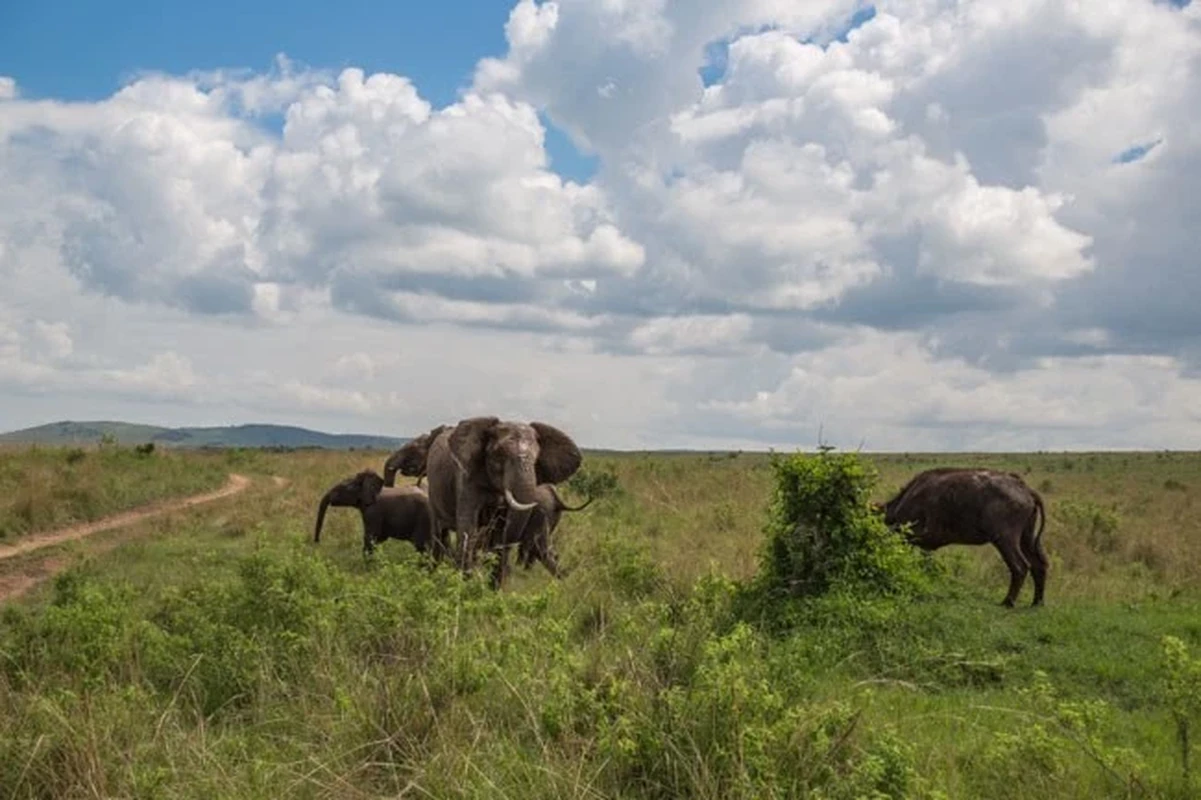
(823, 538)
(595, 483)
(1182, 692)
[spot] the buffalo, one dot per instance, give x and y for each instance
(956, 505)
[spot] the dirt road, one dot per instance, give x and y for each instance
(14, 584)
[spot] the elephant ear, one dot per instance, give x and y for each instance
(370, 485)
(558, 455)
(420, 453)
(468, 438)
(410, 459)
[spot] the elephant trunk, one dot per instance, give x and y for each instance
(521, 498)
(563, 506)
(321, 515)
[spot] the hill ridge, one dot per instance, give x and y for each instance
(252, 434)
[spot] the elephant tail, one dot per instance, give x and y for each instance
(563, 506)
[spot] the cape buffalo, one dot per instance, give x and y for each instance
(955, 505)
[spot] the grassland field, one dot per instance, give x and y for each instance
(220, 653)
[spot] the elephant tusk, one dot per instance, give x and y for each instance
(516, 506)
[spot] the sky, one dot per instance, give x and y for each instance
(910, 225)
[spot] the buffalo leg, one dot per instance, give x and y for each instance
(1011, 552)
(1036, 554)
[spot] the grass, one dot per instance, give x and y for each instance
(44, 488)
(228, 656)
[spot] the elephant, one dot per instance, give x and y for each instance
(484, 471)
(410, 459)
(956, 505)
(536, 543)
(387, 512)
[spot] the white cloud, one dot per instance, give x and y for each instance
(168, 374)
(55, 338)
(355, 366)
(889, 388)
(959, 225)
(697, 335)
(165, 193)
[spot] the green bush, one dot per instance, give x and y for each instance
(596, 483)
(823, 539)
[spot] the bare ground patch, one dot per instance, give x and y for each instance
(32, 571)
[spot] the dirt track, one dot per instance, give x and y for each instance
(14, 584)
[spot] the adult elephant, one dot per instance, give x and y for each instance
(410, 459)
(484, 468)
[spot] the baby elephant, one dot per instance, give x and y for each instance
(543, 522)
(388, 512)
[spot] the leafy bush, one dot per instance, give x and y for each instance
(596, 483)
(824, 539)
(1182, 692)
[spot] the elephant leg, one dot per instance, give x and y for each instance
(370, 523)
(467, 525)
(501, 570)
(551, 561)
(537, 541)
(438, 543)
(528, 549)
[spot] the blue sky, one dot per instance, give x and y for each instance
(85, 50)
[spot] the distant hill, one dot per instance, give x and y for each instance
(81, 433)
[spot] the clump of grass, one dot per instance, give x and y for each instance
(1097, 525)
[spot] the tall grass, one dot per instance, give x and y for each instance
(43, 488)
(259, 664)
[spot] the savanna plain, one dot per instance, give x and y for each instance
(732, 625)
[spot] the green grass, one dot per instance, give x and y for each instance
(228, 656)
(43, 488)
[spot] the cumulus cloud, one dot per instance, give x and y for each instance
(170, 193)
(889, 389)
(928, 223)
